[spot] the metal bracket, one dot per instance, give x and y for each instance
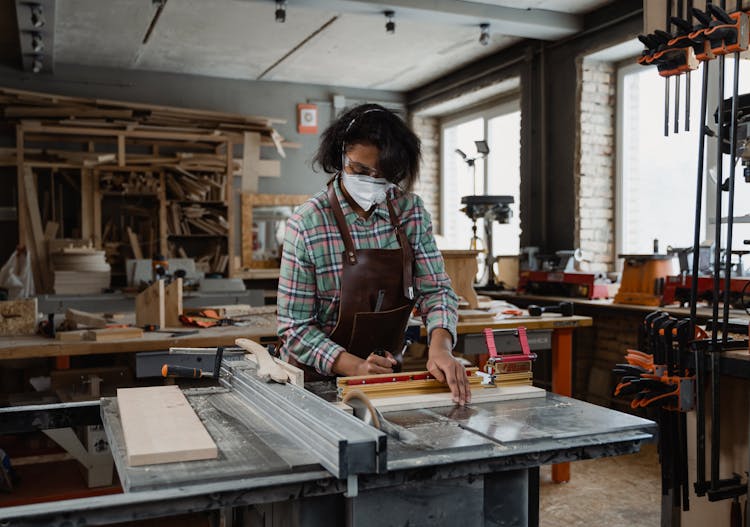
(352, 486)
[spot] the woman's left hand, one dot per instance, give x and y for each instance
(445, 368)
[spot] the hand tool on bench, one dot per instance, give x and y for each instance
(184, 372)
(564, 308)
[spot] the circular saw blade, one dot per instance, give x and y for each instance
(362, 407)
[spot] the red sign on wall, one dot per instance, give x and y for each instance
(307, 119)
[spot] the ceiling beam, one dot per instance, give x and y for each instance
(36, 34)
(539, 24)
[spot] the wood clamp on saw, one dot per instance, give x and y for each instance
(506, 363)
(507, 374)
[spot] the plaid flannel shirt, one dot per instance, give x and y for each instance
(311, 268)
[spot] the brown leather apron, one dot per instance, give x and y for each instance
(377, 292)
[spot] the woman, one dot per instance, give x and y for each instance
(360, 255)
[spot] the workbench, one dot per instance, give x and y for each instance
(470, 466)
(37, 346)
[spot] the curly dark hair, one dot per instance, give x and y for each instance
(400, 148)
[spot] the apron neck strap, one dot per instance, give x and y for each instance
(338, 214)
(407, 253)
(351, 253)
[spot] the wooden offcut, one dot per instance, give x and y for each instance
(160, 426)
(135, 244)
(475, 315)
(83, 318)
(18, 317)
(149, 305)
(109, 334)
(173, 304)
(461, 267)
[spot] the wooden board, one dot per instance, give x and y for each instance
(461, 267)
(134, 244)
(436, 400)
(70, 336)
(18, 317)
(173, 304)
(475, 315)
(160, 426)
(36, 232)
(85, 319)
(149, 305)
(108, 334)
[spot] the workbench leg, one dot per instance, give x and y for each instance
(562, 383)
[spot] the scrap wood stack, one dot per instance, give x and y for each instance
(129, 183)
(78, 112)
(184, 185)
(80, 271)
(196, 219)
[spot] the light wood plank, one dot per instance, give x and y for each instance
(436, 400)
(110, 334)
(160, 426)
(135, 244)
(37, 231)
(85, 319)
(149, 305)
(250, 159)
(173, 304)
(461, 267)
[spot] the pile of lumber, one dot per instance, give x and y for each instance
(196, 219)
(17, 105)
(184, 185)
(80, 271)
(129, 183)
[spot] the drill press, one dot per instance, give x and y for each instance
(491, 209)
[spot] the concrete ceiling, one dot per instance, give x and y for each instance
(335, 42)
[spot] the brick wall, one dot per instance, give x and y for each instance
(595, 167)
(428, 185)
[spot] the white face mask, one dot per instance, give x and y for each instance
(366, 190)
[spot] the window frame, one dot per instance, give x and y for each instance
(509, 103)
(629, 66)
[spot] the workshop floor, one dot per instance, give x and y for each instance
(615, 491)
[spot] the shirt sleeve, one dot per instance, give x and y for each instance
(437, 303)
(298, 328)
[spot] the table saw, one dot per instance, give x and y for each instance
(287, 456)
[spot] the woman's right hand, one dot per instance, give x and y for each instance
(376, 364)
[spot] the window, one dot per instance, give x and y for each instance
(497, 174)
(657, 174)
(656, 183)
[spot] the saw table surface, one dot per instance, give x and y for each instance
(249, 446)
(443, 463)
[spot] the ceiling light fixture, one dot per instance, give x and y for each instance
(280, 11)
(37, 44)
(484, 36)
(390, 25)
(37, 15)
(37, 65)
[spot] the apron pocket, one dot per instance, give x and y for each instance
(379, 330)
